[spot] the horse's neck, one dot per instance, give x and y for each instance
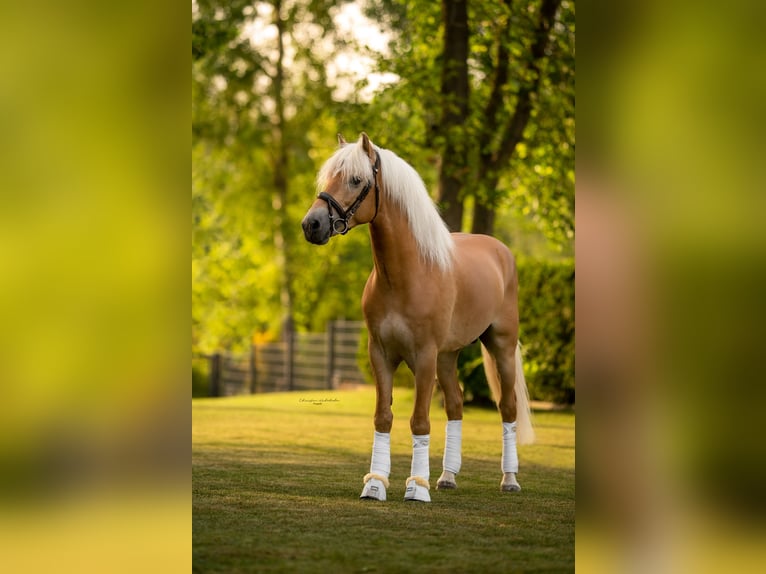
(395, 252)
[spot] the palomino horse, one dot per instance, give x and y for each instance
(429, 295)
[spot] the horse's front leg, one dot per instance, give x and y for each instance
(417, 485)
(376, 481)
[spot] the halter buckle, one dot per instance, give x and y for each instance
(343, 228)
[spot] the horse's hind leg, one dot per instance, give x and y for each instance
(446, 374)
(500, 366)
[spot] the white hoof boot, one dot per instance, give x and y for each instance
(446, 481)
(375, 487)
(417, 489)
(509, 483)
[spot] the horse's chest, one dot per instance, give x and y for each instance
(404, 320)
(393, 329)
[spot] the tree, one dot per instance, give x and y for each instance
(280, 171)
(262, 103)
(505, 124)
(498, 137)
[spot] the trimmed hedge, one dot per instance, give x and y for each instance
(546, 310)
(546, 307)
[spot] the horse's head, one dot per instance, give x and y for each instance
(349, 191)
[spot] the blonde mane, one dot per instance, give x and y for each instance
(405, 187)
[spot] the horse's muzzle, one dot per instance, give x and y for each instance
(316, 227)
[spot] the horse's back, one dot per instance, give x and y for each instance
(486, 285)
(483, 257)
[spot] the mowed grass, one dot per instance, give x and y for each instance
(277, 478)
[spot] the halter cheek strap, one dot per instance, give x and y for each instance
(339, 224)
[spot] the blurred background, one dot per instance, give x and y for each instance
(670, 258)
(94, 434)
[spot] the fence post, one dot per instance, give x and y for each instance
(215, 375)
(289, 336)
(253, 372)
(330, 353)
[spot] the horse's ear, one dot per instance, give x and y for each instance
(341, 140)
(367, 146)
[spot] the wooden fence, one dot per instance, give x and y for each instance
(302, 362)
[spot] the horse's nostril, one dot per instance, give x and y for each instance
(315, 224)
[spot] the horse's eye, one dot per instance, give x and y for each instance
(355, 181)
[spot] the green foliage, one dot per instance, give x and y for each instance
(546, 307)
(239, 266)
(200, 378)
(470, 373)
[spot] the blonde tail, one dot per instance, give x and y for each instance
(525, 432)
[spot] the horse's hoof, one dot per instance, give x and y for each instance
(374, 489)
(509, 483)
(416, 491)
(446, 481)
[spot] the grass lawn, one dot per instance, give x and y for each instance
(277, 478)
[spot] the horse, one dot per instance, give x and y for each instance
(430, 294)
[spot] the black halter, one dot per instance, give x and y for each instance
(345, 215)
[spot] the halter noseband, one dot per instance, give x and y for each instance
(345, 215)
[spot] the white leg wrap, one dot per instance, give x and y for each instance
(510, 461)
(420, 446)
(452, 446)
(417, 483)
(381, 454)
(376, 481)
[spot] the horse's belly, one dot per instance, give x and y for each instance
(462, 334)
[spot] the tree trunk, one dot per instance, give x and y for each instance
(483, 219)
(454, 91)
(280, 166)
(485, 204)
